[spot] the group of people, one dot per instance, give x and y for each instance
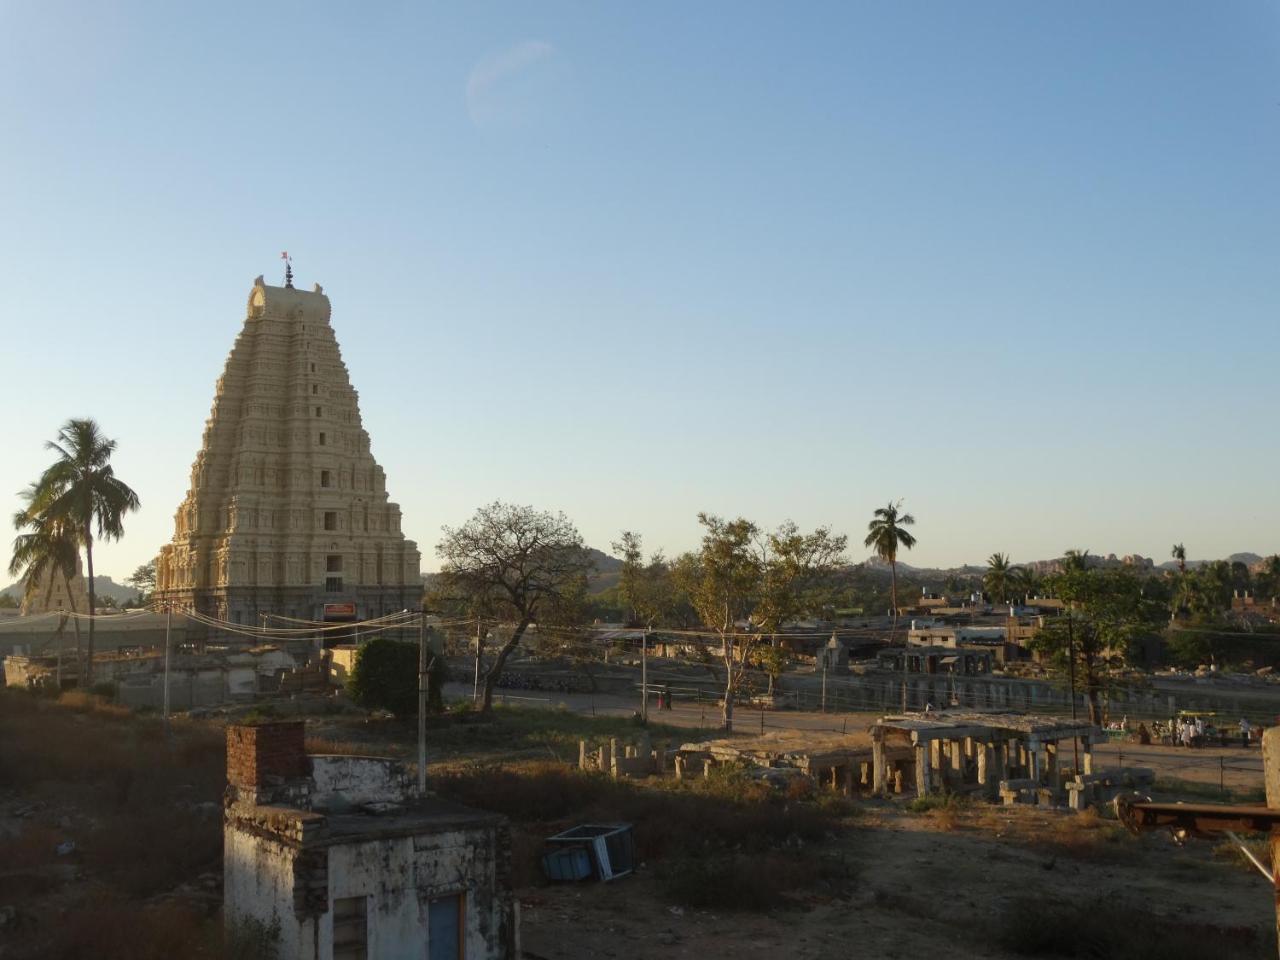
(1191, 732)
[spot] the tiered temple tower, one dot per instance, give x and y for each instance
(53, 593)
(287, 511)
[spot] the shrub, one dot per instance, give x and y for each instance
(385, 677)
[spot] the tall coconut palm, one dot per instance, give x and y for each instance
(1179, 553)
(885, 533)
(80, 492)
(999, 577)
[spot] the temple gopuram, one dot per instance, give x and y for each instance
(287, 512)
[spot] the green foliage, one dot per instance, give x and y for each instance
(385, 677)
(1001, 577)
(78, 498)
(7, 602)
(886, 535)
(1107, 615)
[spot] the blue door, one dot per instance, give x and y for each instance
(444, 928)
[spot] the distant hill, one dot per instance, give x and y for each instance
(103, 586)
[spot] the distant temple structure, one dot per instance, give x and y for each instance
(287, 511)
(54, 593)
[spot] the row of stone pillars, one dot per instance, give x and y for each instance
(942, 763)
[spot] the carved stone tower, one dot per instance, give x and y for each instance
(287, 511)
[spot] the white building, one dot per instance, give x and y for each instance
(352, 864)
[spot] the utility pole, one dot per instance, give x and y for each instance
(824, 682)
(168, 628)
(1071, 675)
(422, 703)
(644, 675)
(475, 685)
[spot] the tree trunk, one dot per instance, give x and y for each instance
(495, 669)
(93, 606)
(727, 712)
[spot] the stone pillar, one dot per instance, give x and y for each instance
(957, 762)
(897, 779)
(582, 754)
(935, 755)
(985, 771)
(924, 780)
(877, 761)
(1086, 756)
(679, 767)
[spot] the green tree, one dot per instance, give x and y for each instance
(1106, 614)
(646, 589)
(385, 677)
(1029, 583)
(523, 566)
(1000, 576)
(143, 579)
(7, 602)
(1075, 561)
(1179, 553)
(721, 580)
(80, 492)
(886, 535)
(797, 576)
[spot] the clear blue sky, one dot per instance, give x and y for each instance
(1015, 263)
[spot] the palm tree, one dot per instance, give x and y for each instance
(80, 492)
(999, 577)
(1028, 581)
(886, 535)
(1179, 553)
(1075, 561)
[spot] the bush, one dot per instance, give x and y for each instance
(385, 677)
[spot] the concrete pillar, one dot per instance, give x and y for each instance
(679, 767)
(630, 751)
(582, 754)
(935, 754)
(613, 749)
(1033, 765)
(707, 766)
(864, 774)
(957, 762)
(924, 768)
(1086, 756)
(897, 779)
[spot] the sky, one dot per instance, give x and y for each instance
(1012, 263)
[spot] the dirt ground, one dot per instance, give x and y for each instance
(921, 888)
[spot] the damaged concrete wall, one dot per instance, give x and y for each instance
(346, 781)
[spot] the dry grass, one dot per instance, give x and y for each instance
(143, 812)
(695, 829)
(322, 745)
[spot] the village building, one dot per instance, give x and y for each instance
(287, 512)
(348, 862)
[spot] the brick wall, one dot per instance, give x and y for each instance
(258, 751)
